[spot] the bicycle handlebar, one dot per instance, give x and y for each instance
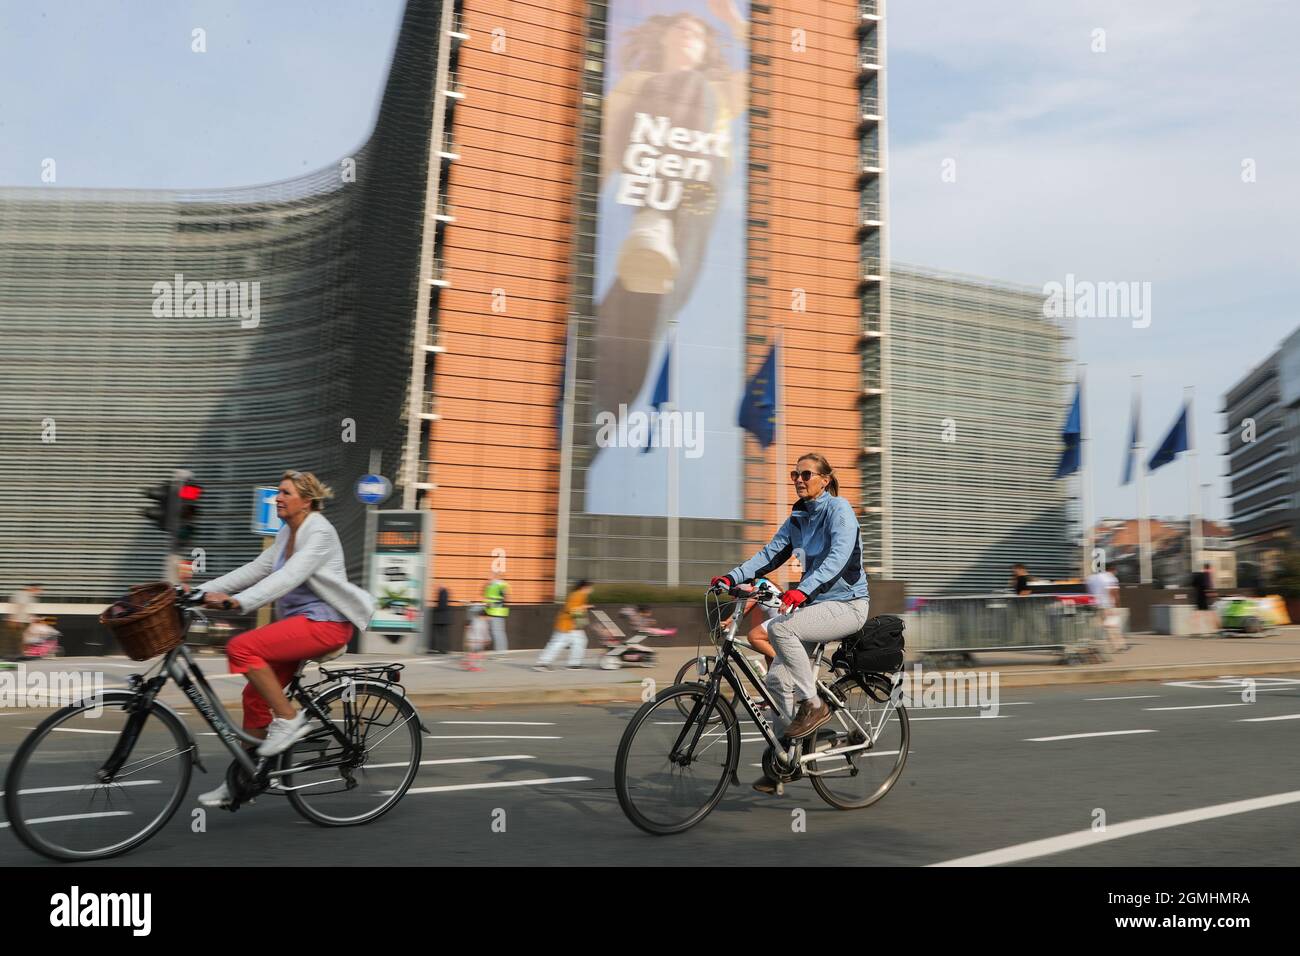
(193, 598)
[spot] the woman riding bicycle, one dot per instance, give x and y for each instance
(316, 606)
(831, 597)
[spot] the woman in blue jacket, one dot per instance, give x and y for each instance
(831, 597)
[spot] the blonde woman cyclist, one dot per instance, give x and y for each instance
(316, 606)
(830, 602)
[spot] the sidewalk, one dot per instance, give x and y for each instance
(438, 681)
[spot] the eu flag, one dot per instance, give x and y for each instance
(1175, 443)
(758, 407)
(659, 397)
(1072, 435)
(1131, 455)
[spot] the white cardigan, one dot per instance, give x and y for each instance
(317, 559)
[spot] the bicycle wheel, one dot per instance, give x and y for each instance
(692, 673)
(663, 795)
(333, 789)
(58, 805)
(860, 778)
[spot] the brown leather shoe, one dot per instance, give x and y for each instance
(812, 714)
(765, 784)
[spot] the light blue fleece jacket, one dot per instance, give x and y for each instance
(824, 530)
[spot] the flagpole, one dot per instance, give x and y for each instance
(1193, 516)
(1085, 476)
(782, 575)
(674, 542)
(1144, 522)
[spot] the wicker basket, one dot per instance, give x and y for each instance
(145, 622)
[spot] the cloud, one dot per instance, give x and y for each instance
(1117, 166)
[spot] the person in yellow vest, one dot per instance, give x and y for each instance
(494, 599)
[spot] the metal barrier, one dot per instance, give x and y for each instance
(955, 627)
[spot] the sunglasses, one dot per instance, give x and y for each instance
(805, 475)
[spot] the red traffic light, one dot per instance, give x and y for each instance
(190, 492)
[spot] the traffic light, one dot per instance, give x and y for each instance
(159, 513)
(188, 494)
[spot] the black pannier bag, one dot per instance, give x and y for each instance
(877, 648)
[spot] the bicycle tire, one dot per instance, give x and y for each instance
(625, 786)
(31, 837)
(405, 712)
(842, 689)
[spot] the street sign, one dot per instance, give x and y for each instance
(265, 520)
(373, 489)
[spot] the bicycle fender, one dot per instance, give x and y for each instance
(389, 685)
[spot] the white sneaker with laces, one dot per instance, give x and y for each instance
(216, 798)
(283, 734)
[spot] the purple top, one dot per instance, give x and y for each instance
(303, 600)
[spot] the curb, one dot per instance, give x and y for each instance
(1100, 675)
(629, 692)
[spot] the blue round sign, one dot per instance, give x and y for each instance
(373, 489)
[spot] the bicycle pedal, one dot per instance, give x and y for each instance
(780, 788)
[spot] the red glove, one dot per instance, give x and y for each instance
(724, 580)
(792, 599)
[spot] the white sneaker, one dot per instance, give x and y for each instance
(216, 798)
(283, 734)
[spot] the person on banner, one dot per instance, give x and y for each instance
(317, 609)
(671, 69)
(830, 603)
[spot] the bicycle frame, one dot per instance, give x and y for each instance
(179, 665)
(729, 660)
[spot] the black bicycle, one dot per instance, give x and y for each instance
(672, 770)
(100, 777)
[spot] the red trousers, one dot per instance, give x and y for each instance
(282, 646)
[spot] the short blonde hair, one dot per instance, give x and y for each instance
(309, 487)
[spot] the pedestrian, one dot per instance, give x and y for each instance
(570, 629)
(19, 620)
(439, 639)
(495, 595)
(1104, 588)
(1203, 584)
(1020, 580)
(476, 637)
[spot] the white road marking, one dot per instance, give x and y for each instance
(430, 763)
(502, 723)
(82, 730)
(1258, 720)
(967, 717)
(1101, 733)
(75, 816)
(1116, 831)
(540, 781)
(1196, 707)
(487, 737)
(1135, 697)
(1014, 703)
(87, 786)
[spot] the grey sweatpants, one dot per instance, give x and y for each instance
(498, 625)
(791, 677)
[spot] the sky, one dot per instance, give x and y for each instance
(1112, 156)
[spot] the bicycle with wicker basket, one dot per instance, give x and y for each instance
(102, 776)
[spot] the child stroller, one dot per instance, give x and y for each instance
(41, 639)
(621, 650)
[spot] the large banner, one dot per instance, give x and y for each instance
(670, 259)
